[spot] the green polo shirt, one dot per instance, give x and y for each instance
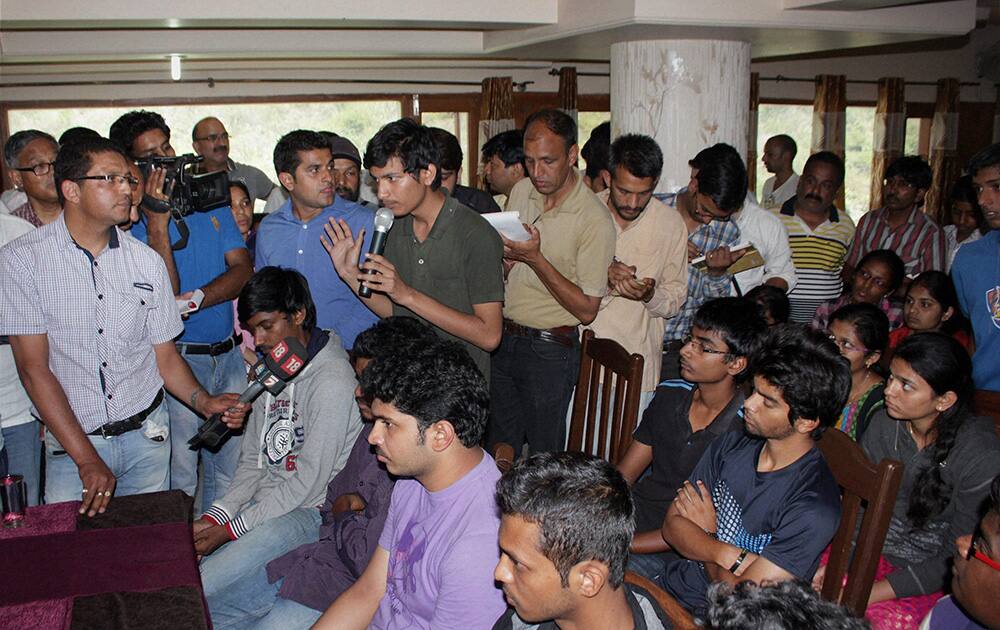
(458, 264)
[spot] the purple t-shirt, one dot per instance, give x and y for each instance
(442, 551)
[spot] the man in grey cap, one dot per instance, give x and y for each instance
(346, 168)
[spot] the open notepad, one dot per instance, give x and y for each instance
(751, 259)
(508, 224)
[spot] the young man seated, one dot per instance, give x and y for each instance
(295, 441)
(293, 590)
(763, 505)
(564, 534)
(434, 562)
(685, 416)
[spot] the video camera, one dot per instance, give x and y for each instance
(188, 192)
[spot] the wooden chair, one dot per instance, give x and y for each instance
(681, 618)
(612, 377)
(503, 455)
(864, 486)
(987, 403)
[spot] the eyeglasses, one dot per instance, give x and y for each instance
(112, 179)
(846, 345)
(42, 168)
(214, 137)
(702, 214)
(701, 347)
(974, 552)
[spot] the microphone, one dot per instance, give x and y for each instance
(280, 365)
(383, 221)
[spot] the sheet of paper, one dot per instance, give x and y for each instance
(508, 224)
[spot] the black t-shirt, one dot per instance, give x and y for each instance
(676, 450)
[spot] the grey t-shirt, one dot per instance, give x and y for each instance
(258, 184)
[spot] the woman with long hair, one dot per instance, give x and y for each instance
(861, 332)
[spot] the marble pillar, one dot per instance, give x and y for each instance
(686, 94)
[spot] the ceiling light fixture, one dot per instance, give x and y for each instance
(175, 67)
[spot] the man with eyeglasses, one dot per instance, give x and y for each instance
(819, 235)
(451, 172)
(214, 262)
(30, 155)
(901, 224)
(211, 141)
(91, 317)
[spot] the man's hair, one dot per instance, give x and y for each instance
(829, 158)
(388, 335)
(814, 379)
(596, 150)
(739, 324)
(788, 605)
(770, 300)
(133, 124)
(75, 134)
(993, 504)
(286, 152)
(637, 154)
(74, 160)
(506, 145)
(722, 176)
(277, 289)
(436, 381)
(581, 505)
(914, 171)
(556, 121)
(16, 143)
(449, 149)
(988, 157)
(786, 142)
(412, 143)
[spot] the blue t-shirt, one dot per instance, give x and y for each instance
(976, 274)
(787, 516)
(285, 241)
(213, 234)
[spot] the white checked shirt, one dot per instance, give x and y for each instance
(102, 317)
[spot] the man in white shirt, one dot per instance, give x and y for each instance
(769, 236)
(779, 152)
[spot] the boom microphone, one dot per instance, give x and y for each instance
(280, 365)
(383, 221)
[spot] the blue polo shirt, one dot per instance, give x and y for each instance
(976, 274)
(213, 233)
(285, 241)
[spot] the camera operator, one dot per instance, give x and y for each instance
(215, 262)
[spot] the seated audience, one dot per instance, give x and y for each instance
(762, 505)
(949, 458)
(433, 567)
(879, 274)
(686, 415)
(295, 441)
(451, 173)
(967, 222)
(861, 331)
(503, 163)
(789, 605)
(931, 305)
(566, 522)
(772, 303)
(30, 156)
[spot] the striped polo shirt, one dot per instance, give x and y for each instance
(818, 255)
(918, 240)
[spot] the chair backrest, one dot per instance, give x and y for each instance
(681, 618)
(987, 403)
(503, 455)
(866, 489)
(611, 379)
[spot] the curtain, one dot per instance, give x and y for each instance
(830, 118)
(752, 132)
(890, 132)
(567, 92)
(496, 112)
(996, 118)
(944, 147)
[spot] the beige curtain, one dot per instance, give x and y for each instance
(944, 147)
(752, 132)
(496, 112)
(890, 132)
(567, 92)
(830, 118)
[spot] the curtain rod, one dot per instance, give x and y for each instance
(781, 78)
(519, 85)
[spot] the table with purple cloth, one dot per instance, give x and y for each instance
(132, 567)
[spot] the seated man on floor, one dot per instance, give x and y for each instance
(433, 567)
(292, 591)
(685, 416)
(564, 535)
(763, 505)
(295, 441)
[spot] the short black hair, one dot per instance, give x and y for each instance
(786, 605)
(808, 369)
(963, 191)
(987, 158)
(16, 143)
(596, 150)
(131, 125)
(412, 143)
(556, 121)
(638, 154)
(449, 148)
(581, 505)
(286, 152)
(277, 289)
(433, 382)
(722, 176)
(771, 301)
(829, 158)
(739, 324)
(75, 159)
(75, 134)
(506, 145)
(889, 258)
(870, 324)
(194, 130)
(389, 335)
(786, 142)
(242, 185)
(914, 171)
